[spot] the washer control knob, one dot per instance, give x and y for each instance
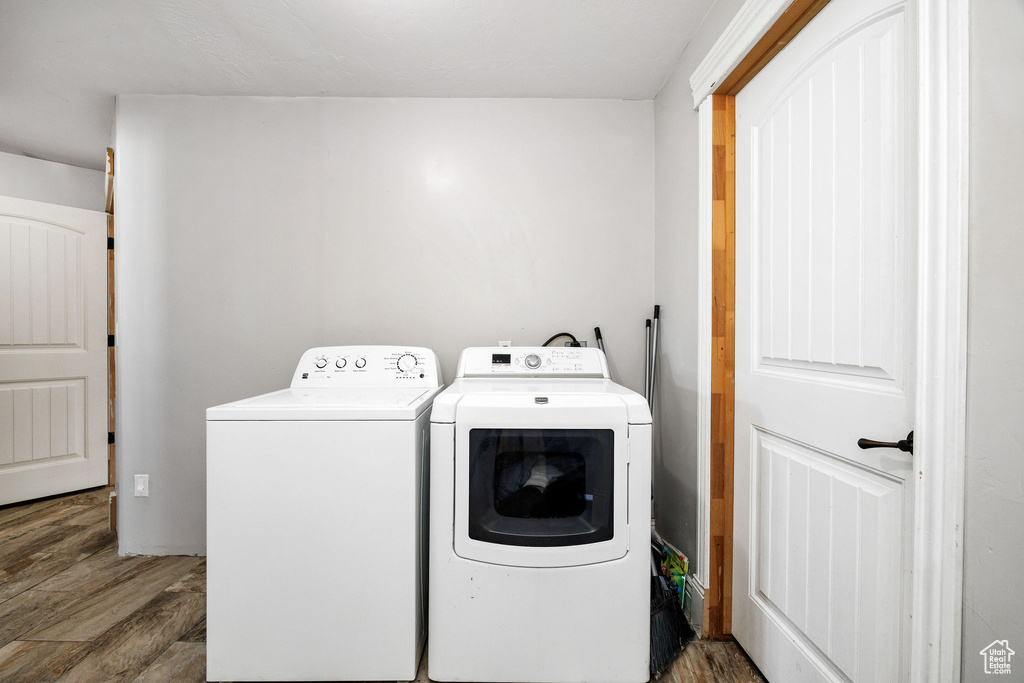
(341, 363)
(321, 362)
(360, 363)
(407, 363)
(533, 361)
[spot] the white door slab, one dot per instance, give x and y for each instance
(53, 349)
(825, 349)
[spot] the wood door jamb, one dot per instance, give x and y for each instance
(717, 622)
(717, 617)
(111, 331)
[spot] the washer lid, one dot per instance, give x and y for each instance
(338, 403)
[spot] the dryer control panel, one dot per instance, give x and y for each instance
(367, 366)
(533, 361)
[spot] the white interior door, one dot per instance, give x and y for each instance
(825, 348)
(53, 349)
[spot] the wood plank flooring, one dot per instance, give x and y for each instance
(706, 661)
(72, 610)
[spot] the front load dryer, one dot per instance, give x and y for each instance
(316, 521)
(540, 509)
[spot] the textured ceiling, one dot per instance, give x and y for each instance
(62, 62)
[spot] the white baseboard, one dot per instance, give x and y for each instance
(695, 603)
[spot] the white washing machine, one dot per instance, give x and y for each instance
(540, 507)
(316, 521)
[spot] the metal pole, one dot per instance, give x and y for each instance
(647, 364)
(654, 352)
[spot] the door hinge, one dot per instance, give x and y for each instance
(110, 341)
(110, 243)
(110, 438)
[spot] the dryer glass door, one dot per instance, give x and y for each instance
(541, 487)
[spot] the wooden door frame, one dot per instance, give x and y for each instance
(108, 203)
(760, 30)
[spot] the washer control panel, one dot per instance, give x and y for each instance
(367, 366)
(533, 361)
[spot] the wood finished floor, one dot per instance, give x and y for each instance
(72, 610)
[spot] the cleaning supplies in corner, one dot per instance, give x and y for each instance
(670, 630)
(674, 567)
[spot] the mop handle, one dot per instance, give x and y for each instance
(654, 350)
(647, 364)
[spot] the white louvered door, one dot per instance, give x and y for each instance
(53, 349)
(825, 348)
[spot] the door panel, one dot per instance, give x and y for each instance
(825, 306)
(42, 420)
(42, 264)
(826, 212)
(824, 529)
(53, 366)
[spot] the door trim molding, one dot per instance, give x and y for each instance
(749, 25)
(942, 199)
(756, 34)
(943, 173)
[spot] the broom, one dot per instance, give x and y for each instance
(669, 630)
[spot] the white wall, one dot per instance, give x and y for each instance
(994, 514)
(250, 229)
(50, 182)
(676, 459)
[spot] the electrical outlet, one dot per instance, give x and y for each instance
(142, 485)
(505, 343)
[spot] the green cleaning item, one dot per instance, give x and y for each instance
(675, 567)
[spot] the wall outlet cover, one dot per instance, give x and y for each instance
(142, 485)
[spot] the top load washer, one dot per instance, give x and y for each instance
(540, 521)
(316, 520)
